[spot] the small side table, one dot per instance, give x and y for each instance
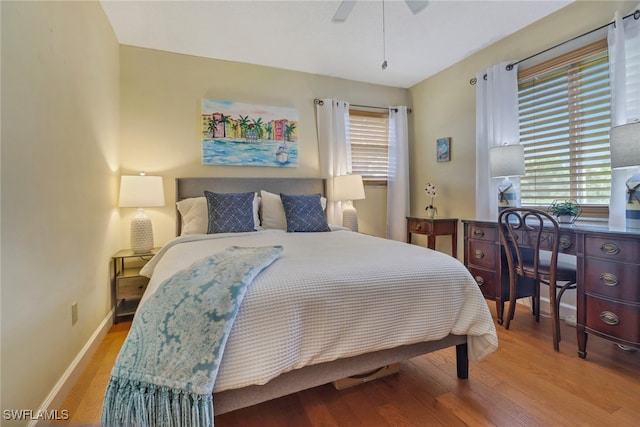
(127, 285)
(432, 228)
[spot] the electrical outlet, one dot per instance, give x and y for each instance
(570, 320)
(74, 313)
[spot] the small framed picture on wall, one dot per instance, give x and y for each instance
(443, 149)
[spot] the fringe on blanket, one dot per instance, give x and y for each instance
(135, 403)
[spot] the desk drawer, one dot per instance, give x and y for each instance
(483, 232)
(486, 281)
(611, 248)
(482, 254)
(612, 279)
(566, 244)
(617, 320)
(132, 287)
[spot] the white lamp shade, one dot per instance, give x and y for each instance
(506, 160)
(141, 191)
(624, 143)
(348, 187)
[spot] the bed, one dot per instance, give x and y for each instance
(335, 304)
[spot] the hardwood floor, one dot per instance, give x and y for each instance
(524, 383)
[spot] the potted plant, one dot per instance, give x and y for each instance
(431, 192)
(566, 211)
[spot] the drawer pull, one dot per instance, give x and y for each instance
(418, 226)
(609, 279)
(479, 280)
(565, 243)
(479, 254)
(609, 318)
(478, 233)
(610, 248)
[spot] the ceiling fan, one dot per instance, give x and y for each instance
(347, 5)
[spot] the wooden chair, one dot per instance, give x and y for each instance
(530, 238)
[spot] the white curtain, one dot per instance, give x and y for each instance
(398, 180)
(332, 120)
(624, 68)
(497, 123)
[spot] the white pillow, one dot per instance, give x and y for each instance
(272, 211)
(195, 215)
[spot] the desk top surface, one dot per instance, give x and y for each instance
(580, 227)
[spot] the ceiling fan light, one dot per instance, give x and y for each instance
(416, 6)
(344, 10)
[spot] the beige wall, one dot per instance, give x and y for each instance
(59, 184)
(160, 117)
(445, 106)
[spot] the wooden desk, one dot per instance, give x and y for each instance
(432, 228)
(608, 276)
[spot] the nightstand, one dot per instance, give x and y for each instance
(432, 228)
(127, 285)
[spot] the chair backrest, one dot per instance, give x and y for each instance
(523, 237)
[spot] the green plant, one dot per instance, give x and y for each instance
(564, 208)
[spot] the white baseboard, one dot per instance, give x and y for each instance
(566, 309)
(56, 398)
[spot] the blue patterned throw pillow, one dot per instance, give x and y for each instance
(304, 213)
(229, 212)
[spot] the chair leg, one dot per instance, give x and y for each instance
(536, 301)
(512, 302)
(555, 316)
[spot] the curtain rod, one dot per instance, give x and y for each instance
(321, 102)
(509, 67)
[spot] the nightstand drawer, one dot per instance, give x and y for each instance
(419, 226)
(612, 279)
(614, 319)
(131, 287)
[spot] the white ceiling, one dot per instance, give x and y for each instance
(300, 35)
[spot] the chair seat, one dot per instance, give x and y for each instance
(562, 275)
(565, 270)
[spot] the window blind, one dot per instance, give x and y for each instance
(369, 134)
(565, 117)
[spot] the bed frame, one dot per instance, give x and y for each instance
(323, 373)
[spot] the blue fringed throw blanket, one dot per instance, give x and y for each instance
(165, 372)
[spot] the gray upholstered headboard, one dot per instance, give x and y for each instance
(195, 187)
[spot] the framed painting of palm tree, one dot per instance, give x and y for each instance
(237, 134)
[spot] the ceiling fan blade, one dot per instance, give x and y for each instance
(416, 5)
(344, 10)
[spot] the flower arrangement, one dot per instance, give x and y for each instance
(430, 190)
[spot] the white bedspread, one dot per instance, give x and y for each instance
(334, 295)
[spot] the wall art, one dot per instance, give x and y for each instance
(443, 149)
(237, 134)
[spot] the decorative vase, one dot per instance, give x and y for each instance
(431, 211)
(565, 219)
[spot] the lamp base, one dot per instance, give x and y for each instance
(349, 216)
(507, 196)
(633, 202)
(141, 230)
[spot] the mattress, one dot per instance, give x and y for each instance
(333, 295)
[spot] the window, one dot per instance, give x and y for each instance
(369, 134)
(565, 116)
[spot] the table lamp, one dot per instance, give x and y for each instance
(141, 191)
(348, 188)
(506, 161)
(624, 143)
